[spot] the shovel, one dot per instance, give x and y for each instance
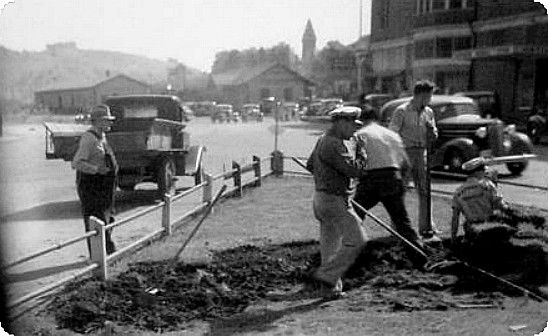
(148, 296)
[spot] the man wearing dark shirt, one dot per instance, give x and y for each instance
(333, 167)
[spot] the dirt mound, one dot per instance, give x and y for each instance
(152, 296)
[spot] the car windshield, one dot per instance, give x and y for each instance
(453, 110)
(132, 108)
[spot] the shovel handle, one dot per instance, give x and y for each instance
(207, 212)
(391, 230)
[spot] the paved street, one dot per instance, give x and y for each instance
(40, 205)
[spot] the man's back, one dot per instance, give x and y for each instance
(477, 198)
(381, 144)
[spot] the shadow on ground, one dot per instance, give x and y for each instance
(43, 272)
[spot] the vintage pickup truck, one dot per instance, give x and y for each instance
(147, 137)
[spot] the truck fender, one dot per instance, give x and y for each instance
(465, 145)
(193, 159)
(521, 143)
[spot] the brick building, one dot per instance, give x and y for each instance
(84, 96)
(496, 45)
(249, 85)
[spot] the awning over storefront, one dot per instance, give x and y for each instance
(506, 50)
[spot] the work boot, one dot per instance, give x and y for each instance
(430, 238)
(324, 289)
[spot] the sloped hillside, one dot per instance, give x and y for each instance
(64, 65)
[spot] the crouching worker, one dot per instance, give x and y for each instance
(333, 167)
(481, 203)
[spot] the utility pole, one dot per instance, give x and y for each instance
(471, 75)
(361, 19)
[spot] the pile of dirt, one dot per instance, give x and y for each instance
(150, 295)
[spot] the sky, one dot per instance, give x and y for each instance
(191, 31)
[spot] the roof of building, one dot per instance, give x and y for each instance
(243, 75)
(79, 84)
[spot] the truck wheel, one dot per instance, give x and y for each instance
(453, 161)
(166, 177)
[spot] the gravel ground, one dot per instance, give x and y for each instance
(242, 274)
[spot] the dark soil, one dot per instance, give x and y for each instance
(150, 295)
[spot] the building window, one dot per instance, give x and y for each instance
(444, 47)
(424, 49)
(438, 5)
(423, 6)
(60, 101)
(455, 4)
(385, 14)
(461, 43)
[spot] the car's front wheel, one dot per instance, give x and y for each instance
(516, 168)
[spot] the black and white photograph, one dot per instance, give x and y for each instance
(261, 167)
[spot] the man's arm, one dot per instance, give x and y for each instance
(80, 161)
(310, 161)
(432, 124)
(335, 154)
(455, 224)
(396, 122)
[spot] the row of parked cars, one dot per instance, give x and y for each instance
(468, 127)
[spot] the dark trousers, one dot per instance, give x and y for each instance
(96, 193)
(386, 186)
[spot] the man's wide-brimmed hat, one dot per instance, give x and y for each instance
(101, 112)
(346, 112)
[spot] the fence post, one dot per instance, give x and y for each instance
(237, 178)
(207, 195)
(277, 163)
(166, 215)
(98, 247)
(257, 170)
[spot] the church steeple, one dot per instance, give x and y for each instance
(309, 45)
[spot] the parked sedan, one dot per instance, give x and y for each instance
(223, 112)
(465, 134)
(252, 111)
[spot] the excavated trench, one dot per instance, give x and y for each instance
(152, 296)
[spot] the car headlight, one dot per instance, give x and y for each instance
(481, 132)
(510, 129)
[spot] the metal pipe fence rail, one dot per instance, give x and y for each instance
(99, 258)
(435, 192)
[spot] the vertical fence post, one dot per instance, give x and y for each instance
(166, 215)
(98, 247)
(257, 170)
(237, 178)
(207, 195)
(277, 163)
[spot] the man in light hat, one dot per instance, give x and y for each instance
(478, 199)
(333, 167)
(96, 170)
